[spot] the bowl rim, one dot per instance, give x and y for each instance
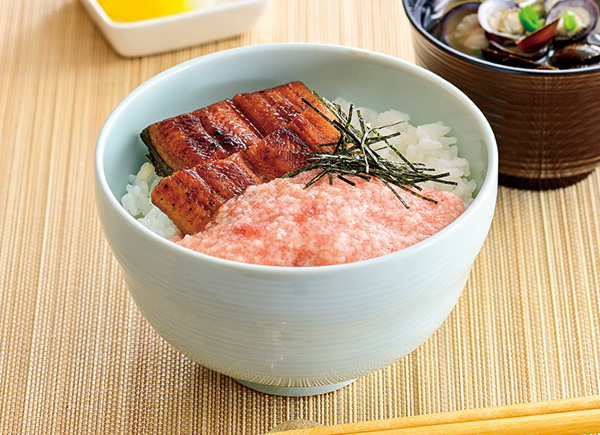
(411, 13)
(487, 188)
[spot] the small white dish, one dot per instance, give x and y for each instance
(171, 32)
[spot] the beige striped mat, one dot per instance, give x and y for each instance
(76, 356)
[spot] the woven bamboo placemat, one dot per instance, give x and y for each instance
(76, 357)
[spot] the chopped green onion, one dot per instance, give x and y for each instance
(570, 21)
(529, 19)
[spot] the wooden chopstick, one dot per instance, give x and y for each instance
(554, 417)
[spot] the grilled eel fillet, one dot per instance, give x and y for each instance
(187, 140)
(223, 128)
(190, 197)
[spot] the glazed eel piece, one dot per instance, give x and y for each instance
(190, 197)
(187, 140)
(275, 108)
(223, 128)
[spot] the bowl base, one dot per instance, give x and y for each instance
(539, 183)
(295, 391)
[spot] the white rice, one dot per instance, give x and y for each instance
(428, 144)
(138, 204)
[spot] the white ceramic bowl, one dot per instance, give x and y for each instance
(295, 331)
(194, 27)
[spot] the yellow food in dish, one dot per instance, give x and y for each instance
(137, 10)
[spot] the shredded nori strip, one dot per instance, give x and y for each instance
(354, 154)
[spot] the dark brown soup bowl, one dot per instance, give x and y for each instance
(546, 122)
